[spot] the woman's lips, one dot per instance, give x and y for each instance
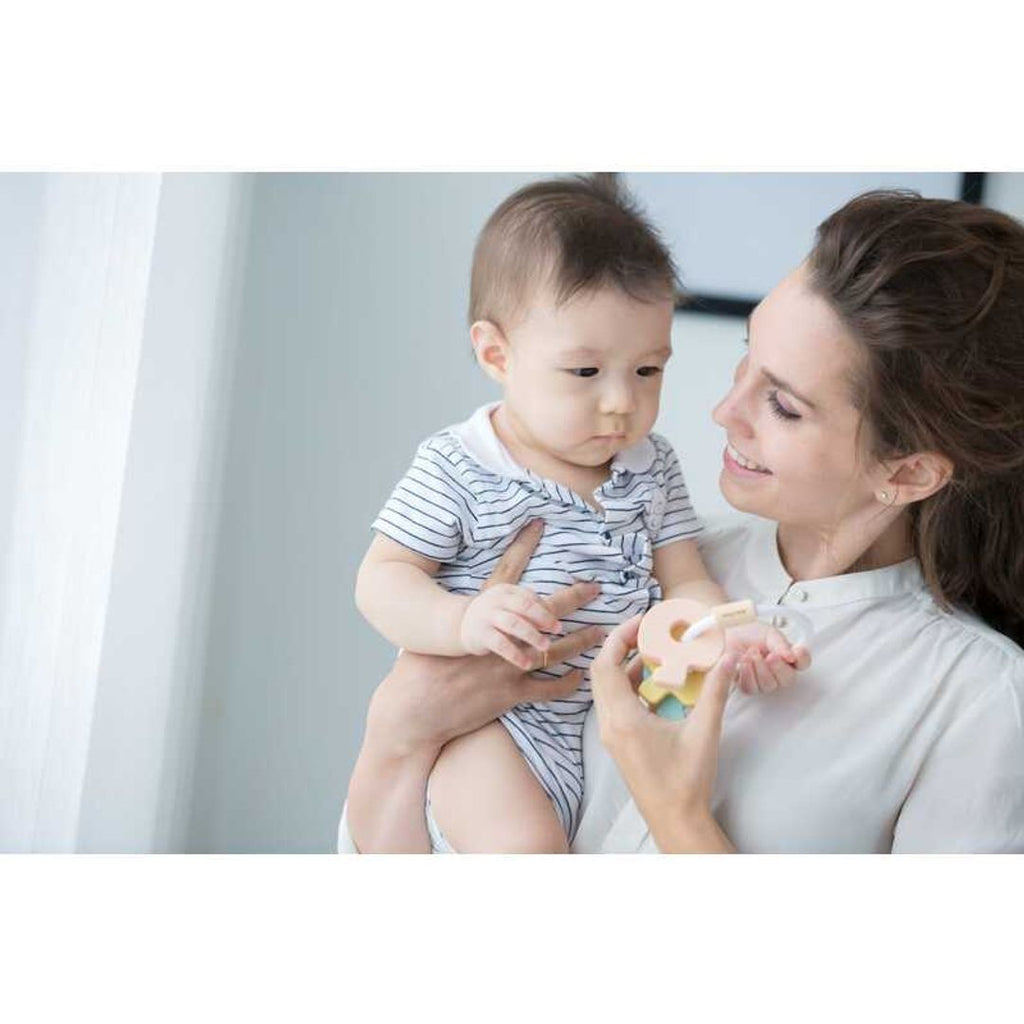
(752, 469)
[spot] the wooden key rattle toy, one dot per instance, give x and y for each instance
(681, 639)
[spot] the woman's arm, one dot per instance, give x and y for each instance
(425, 701)
(670, 767)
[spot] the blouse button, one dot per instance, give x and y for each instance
(800, 595)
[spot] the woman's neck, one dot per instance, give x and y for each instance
(874, 542)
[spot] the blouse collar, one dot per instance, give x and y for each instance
(769, 575)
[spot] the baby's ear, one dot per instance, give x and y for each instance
(491, 349)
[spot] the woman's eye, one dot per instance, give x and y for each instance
(779, 409)
(584, 371)
(649, 371)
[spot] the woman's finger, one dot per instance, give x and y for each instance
(635, 670)
(516, 556)
(567, 647)
(608, 680)
(535, 689)
(706, 718)
(570, 599)
(620, 641)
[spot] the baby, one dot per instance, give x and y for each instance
(571, 313)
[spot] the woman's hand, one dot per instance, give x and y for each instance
(426, 700)
(670, 767)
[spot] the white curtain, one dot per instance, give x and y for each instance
(114, 355)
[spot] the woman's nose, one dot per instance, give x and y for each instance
(729, 412)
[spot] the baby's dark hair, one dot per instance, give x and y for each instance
(572, 234)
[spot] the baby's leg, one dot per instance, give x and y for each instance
(485, 799)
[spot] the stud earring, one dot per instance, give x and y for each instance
(883, 497)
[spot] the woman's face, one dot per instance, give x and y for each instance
(793, 453)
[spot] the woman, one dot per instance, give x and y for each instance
(876, 428)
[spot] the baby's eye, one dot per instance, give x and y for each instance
(584, 371)
(649, 371)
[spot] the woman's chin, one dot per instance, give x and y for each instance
(744, 495)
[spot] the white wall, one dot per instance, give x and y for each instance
(138, 788)
(21, 213)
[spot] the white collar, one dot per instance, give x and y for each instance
(480, 441)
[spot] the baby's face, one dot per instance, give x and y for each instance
(583, 379)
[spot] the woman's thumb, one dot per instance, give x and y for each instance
(710, 706)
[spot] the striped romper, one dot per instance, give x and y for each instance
(463, 501)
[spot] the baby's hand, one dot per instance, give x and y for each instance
(502, 615)
(767, 661)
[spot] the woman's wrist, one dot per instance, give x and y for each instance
(387, 796)
(689, 832)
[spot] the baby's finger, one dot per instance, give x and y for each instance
(775, 641)
(765, 682)
(511, 652)
(527, 604)
(516, 626)
(803, 658)
(781, 670)
(745, 678)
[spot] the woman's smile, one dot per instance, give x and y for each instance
(736, 462)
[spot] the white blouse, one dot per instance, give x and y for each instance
(905, 735)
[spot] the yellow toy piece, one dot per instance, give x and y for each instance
(687, 694)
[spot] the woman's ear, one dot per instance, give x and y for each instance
(916, 477)
(491, 349)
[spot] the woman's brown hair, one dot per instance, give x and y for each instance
(934, 292)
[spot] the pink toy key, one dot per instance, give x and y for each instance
(661, 645)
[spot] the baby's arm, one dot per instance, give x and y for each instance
(680, 570)
(397, 595)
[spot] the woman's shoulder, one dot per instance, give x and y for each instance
(987, 643)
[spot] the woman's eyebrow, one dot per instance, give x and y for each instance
(778, 381)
